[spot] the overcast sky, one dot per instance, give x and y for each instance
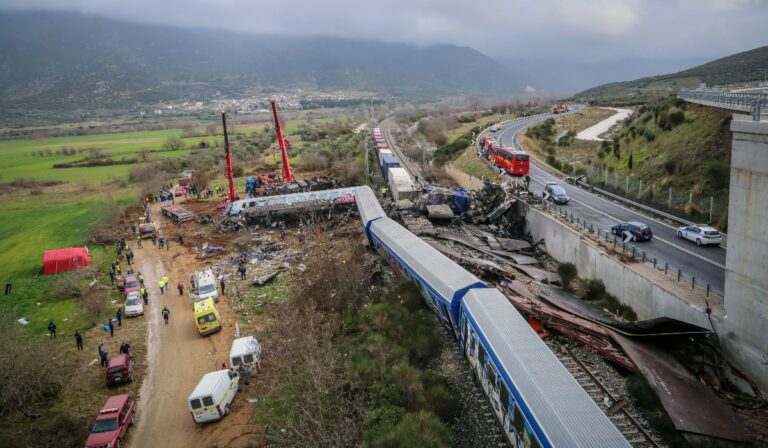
(569, 29)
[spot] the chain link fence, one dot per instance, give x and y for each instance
(688, 206)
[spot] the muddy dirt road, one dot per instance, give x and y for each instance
(178, 357)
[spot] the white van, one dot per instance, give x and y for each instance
(205, 286)
(245, 351)
(213, 396)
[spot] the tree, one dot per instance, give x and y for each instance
(616, 150)
(567, 273)
(630, 162)
(173, 143)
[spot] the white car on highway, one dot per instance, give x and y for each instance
(701, 234)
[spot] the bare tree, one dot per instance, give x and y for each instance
(173, 143)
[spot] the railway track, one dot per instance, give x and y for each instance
(406, 163)
(626, 423)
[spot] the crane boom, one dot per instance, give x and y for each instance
(230, 175)
(287, 171)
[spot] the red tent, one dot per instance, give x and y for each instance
(62, 260)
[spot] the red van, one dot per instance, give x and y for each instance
(113, 421)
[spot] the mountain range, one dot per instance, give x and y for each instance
(68, 61)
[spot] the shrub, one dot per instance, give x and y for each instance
(675, 118)
(669, 166)
(718, 173)
(29, 378)
(650, 136)
(630, 162)
(314, 161)
(173, 143)
(567, 273)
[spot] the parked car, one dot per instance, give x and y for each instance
(113, 421)
(134, 305)
(701, 234)
(180, 191)
(128, 283)
(638, 230)
(555, 193)
(119, 369)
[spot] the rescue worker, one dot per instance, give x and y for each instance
(138, 242)
(161, 284)
(180, 286)
(166, 281)
(119, 316)
(52, 330)
(79, 340)
(140, 277)
(103, 356)
(166, 313)
(145, 296)
(125, 348)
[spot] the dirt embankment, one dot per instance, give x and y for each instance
(178, 357)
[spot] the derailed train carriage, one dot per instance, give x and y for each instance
(536, 400)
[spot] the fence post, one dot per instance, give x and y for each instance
(693, 282)
(606, 176)
(679, 274)
(707, 289)
(669, 201)
(653, 191)
(626, 185)
(711, 206)
(640, 190)
(666, 267)
(690, 198)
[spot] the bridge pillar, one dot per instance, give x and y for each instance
(745, 328)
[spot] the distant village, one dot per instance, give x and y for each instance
(244, 105)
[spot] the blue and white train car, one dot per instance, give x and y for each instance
(537, 401)
(442, 282)
(368, 207)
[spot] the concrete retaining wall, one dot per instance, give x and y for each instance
(633, 284)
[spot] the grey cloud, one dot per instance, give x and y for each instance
(567, 29)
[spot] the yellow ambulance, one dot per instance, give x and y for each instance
(207, 317)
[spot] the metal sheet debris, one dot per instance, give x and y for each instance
(682, 395)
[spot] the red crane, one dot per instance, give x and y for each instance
(287, 171)
(230, 175)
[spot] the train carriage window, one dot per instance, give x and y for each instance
(490, 370)
(504, 397)
(481, 356)
(518, 421)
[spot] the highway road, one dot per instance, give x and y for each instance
(706, 264)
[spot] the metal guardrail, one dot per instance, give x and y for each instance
(743, 102)
(636, 254)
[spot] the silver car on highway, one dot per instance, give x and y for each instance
(701, 234)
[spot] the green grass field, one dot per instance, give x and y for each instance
(30, 227)
(20, 157)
